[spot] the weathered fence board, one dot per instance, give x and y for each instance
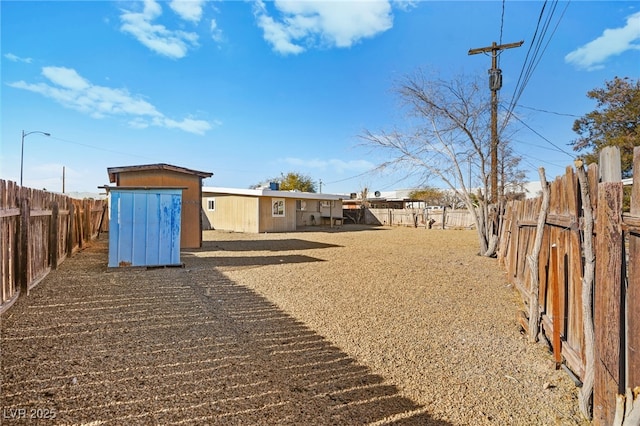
(607, 302)
(420, 218)
(633, 288)
(9, 223)
(39, 229)
(616, 288)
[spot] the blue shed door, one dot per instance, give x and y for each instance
(144, 227)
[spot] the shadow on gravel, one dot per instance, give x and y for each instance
(178, 346)
(259, 260)
(265, 245)
(349, 227)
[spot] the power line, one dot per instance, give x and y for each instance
(526, 66)
(101, 149)
(549, 112)
(352, 177)
(548, 148)
(534, 54)
(501, 23)
(536, 166)
(394, 183)
(543, 138)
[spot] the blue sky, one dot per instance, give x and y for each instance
(251, 89)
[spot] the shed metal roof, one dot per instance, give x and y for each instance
(113, 171)
(138, 188)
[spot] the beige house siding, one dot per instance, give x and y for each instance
(232, 213)
(269, 223)
(263, 210)
(310, 208)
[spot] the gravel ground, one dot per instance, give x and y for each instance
(354, 325)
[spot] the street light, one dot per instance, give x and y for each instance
(22, 151)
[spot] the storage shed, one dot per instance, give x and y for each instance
(268, 210)
(166, 175)
(144, 226)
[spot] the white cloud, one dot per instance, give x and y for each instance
(189, 10)
(138, 123)
(612, 42)
(216, 33)
(16, 58)
(171, 43)
(190, 125)
(335, 23)
(65, 77)
(405, 5)
(71, 90)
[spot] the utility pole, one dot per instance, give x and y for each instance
(495, 83)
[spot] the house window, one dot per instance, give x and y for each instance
(325, 203)
(301, 205)
(211, 204)
(277, 207)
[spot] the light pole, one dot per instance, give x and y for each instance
(22, 151)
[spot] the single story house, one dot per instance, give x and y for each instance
(268, 210)
(168, 176)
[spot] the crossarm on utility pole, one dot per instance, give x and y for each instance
(495, 47)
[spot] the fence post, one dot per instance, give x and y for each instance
(444, 216)
(70, 228)
(633, 293)
(608, 293)
(80, 225)
(53, 235)
(23, 249)
(87, 219)
(555, 308)
(586, 391)
(534, 262)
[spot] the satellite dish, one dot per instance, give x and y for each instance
(377, 193)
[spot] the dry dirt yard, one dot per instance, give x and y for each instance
(346, 326)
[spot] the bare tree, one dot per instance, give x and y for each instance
(512, 178)
(446, 136)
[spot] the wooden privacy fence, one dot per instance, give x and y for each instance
(39, 230)
(575, 258)
(445, 218)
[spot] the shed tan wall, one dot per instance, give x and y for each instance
(191, 226)
(232, 213)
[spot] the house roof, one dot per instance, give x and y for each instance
(265, 192)
(113, 171)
